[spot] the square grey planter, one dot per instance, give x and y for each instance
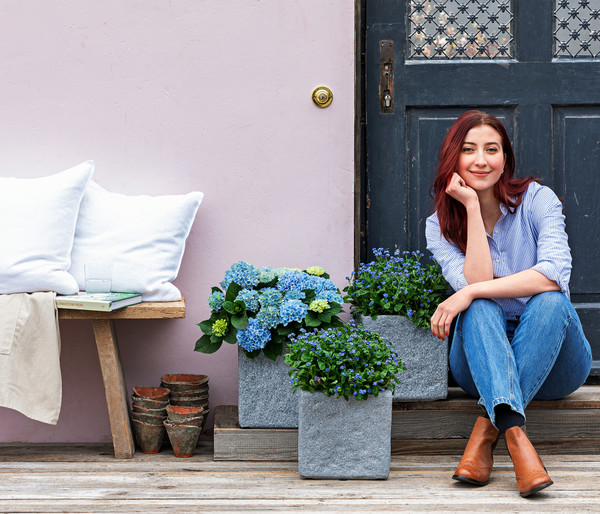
(423, 354)
(265, 398)
(344, 440)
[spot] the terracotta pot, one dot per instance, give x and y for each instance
(179, 414)
(152, 393)
(140, 408)
(149, 437)
(148, 403)
(149, 418)
(203, 390)
(184, 438)
(181, 381)
(193, 398)
(190, 403)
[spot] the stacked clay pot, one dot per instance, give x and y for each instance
(187, 390)
(184, 425)
(149, 411)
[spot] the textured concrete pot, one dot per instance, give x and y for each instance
(265, 398)
(344, 440)
(423, 354)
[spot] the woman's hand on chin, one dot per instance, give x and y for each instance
(459, 190)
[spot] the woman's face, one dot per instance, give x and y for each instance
(481, 158)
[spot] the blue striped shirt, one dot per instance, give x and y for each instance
(533, 237)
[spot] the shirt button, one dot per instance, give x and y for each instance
(497, 260)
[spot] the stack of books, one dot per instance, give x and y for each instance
(97, 301)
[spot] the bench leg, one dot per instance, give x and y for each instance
(114, 387)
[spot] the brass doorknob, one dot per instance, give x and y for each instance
(322, 97)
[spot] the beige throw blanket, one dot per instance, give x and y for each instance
(30, 379)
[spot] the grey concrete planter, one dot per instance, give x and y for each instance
(265, 398)
(423, 354)
(344, 440)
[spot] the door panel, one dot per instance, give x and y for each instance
(535, 65)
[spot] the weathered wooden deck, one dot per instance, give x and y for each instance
(89, 479)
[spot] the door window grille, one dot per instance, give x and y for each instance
(576, 29)
(460, 29)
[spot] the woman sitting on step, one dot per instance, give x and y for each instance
(502, 246)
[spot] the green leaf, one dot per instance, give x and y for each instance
(231, 336)
(253, 354)
(229, 307)
(240, 321)
(312, 319)
(216, 339)
(204, 345)
(273, 350)
(325, 317)
(215, 290)
(206, 327)
(232, 291)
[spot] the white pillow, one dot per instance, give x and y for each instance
(37, 223)
(142, 236)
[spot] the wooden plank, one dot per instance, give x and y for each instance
(586, 397)
(79, 482)
(144, 310)
(114, 388)
(541, 423)
(231, 442)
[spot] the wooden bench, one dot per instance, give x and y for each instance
(569, 425)
(110, 361)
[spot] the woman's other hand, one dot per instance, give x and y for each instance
(459, 190)
(448, 310)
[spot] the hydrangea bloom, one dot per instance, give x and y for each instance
(250, 299)
(215, 300)
(219, 327)
(270, 297)
(293, 310)
(255, 337)
(315, 270)
(268, 317)
(318, 305)
(243, 274)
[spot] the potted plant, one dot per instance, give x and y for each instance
(396, 295)
(346, 376)
(258, 308)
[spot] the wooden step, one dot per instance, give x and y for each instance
(569, 425)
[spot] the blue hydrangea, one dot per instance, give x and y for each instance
(215, 300)
(255, 337)
(293, 310)
(243, 274)
(293, 280)
(270, 297)
(268, 317)
(294, 295)
(250, 299)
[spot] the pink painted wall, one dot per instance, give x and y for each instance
(170, 97)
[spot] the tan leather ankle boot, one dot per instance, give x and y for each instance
(477, 460)
(529, 469)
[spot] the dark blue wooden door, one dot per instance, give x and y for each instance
(534, 64)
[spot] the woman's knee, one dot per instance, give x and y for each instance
(550, 302)
(483, 307)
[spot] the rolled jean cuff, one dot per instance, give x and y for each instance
(499, 401)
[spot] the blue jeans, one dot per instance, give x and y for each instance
(543, 356)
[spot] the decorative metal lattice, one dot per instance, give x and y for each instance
(577, 29)
(460, 29)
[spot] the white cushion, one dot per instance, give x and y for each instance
(37, 223)
(142, 236)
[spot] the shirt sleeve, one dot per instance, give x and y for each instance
(447, 255)
(553, 252)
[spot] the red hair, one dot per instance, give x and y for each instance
(452, 214)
